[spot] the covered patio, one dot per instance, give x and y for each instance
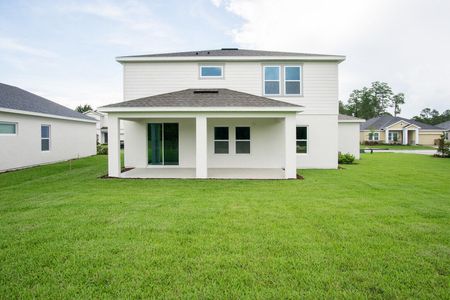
(219, 134)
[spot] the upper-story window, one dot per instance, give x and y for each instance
(211, 71)
(271, 80)
(286, 83)
(292, 80)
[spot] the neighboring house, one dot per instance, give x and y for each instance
(349, 134)
(34, 130)
(446, 127)
(102, 126)
(227, 113)
(396, 130)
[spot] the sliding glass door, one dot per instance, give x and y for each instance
(162, 144)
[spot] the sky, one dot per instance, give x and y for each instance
(65, 50)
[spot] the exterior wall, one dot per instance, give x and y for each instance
(68, 140)
(319, 98)
(266, 145)
(348, 138)
(428, 137)
(320, 81)
(136, 142)
(322, 142)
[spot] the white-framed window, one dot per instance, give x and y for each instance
(271, 76)
(8, 128)
(242, 140)
(374, 136)
(207, 71)
(393, 136)
(221, 140)
(45, 137)
(292, 80)
(302, 139)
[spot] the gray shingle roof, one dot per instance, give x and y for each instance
(226, 52)
(445, 125)
(380, 123)
(342, 117)
(12, 97)
(204, 98)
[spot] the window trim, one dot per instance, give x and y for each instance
(302, 140)
(219, 140)
(373, 133)
(16, 128)
(49, 137)
(300, 81)
(279, 80)
(211, 66)
(241, 140)
(391, 134)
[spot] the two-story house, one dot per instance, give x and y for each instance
(227, 113)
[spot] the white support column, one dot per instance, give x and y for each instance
(113, 146)
(386, 138)
(417, 137)
(405, 136)
(290, 156)
(201, 153)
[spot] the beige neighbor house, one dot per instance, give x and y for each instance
(446, 127)
(397, 130)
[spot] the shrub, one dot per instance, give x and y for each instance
(443, 147)
(346, 159)
(102, 149)
(370, 143)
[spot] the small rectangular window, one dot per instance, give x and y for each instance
(211, 71)
(243, 140)
(302, 139)
(221, 140)
(8, 128)
(393, 136)
(45, 137)
(292, 80)
(271, 80)
(373, 136)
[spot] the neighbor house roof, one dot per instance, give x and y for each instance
(229, 53)
(350, 119)
(445, 125)
(204, 98)
(382, 122)
(15, 99)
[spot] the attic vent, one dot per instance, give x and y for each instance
(230, 49)
(206, 92)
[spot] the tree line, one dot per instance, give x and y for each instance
(379, 99)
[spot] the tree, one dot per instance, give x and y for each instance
(343, 109)
(432, 116)
(373, 101)
(398, 100)
(83, 108)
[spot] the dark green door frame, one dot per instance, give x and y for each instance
(162, 145)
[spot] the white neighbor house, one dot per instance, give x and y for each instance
(227, 113)
(34, 130)
(102, 126)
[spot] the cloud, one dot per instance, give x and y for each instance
(13, 45)
(403, 42)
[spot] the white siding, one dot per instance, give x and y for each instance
(267, 143)
(320, 81)
(322, 142)
(349, 138)
(68, 140)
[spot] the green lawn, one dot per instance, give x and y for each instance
(399, 147)
(378, 229)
